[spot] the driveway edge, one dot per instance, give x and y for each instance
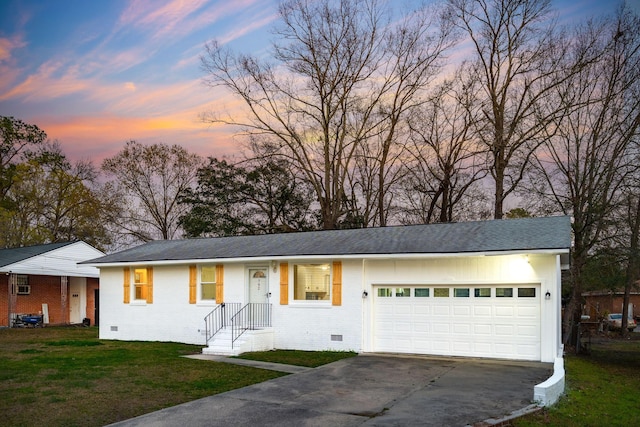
(506, 421)
(548, 392)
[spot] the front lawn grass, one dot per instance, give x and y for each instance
(602, 389)
(67, 377)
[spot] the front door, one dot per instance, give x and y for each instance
(258, 285)
(77, 298)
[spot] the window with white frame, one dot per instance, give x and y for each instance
(208, 282)
(22, 283)
(140, 281)
(312, 282)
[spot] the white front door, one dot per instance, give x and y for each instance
(77, 299)
(258, 285)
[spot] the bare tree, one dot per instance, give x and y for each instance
(149, 180)
(517, 62)
(445, 159)
(415, 51)
(343, 77)
(589, 157)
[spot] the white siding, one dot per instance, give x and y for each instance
(310, 325)
(60, 262)
(318, 325)
(169, 318)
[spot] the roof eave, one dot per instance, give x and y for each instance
(263, 259)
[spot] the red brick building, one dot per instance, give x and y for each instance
(47, 280)
(600, 303)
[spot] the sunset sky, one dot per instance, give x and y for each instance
(95, 74)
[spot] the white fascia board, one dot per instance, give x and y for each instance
(63, 261)
(325, 257)
(95, 273)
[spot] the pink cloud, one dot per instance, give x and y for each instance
(99, 137)
(45, 84)
(178, 18)
(8, 45)
(8, 69)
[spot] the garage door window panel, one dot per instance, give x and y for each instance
(461, 292)
(403, 292)
(482, 292)
(385, 292)
(441, 292)
(526, 292)
(421, 292)
(504, 292)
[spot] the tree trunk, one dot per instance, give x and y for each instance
(573, 309)
(633, 264)
(499, 193)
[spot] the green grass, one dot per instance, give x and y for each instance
(311, 359)
(602, 389)
(67, 377)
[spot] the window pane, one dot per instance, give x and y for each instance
(441, 292)
(403, 292)
(208, 291)
(384, 292)
(140, 276)
(482, 292)
(208, 274)
(140, 283)
(504, 292)
(461, 292)
(526, 292)
(311, 281)
(422, 292)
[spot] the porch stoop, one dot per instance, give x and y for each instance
(250, 340)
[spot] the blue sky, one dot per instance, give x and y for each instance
(96, 73)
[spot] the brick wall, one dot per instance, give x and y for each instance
(44, 290)
(598, 306)
(4, 300)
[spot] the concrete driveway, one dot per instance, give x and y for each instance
(369, 390)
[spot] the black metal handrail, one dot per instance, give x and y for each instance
(219, 318)
(251, 316)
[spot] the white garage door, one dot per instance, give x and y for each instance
(473, 321)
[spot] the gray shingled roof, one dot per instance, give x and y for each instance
(552, 233)
(12, 255)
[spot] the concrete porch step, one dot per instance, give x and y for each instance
(251, 340)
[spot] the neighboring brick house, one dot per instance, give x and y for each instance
(600, 303)
(46, 279)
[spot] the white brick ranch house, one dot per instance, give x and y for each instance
(486, 289)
